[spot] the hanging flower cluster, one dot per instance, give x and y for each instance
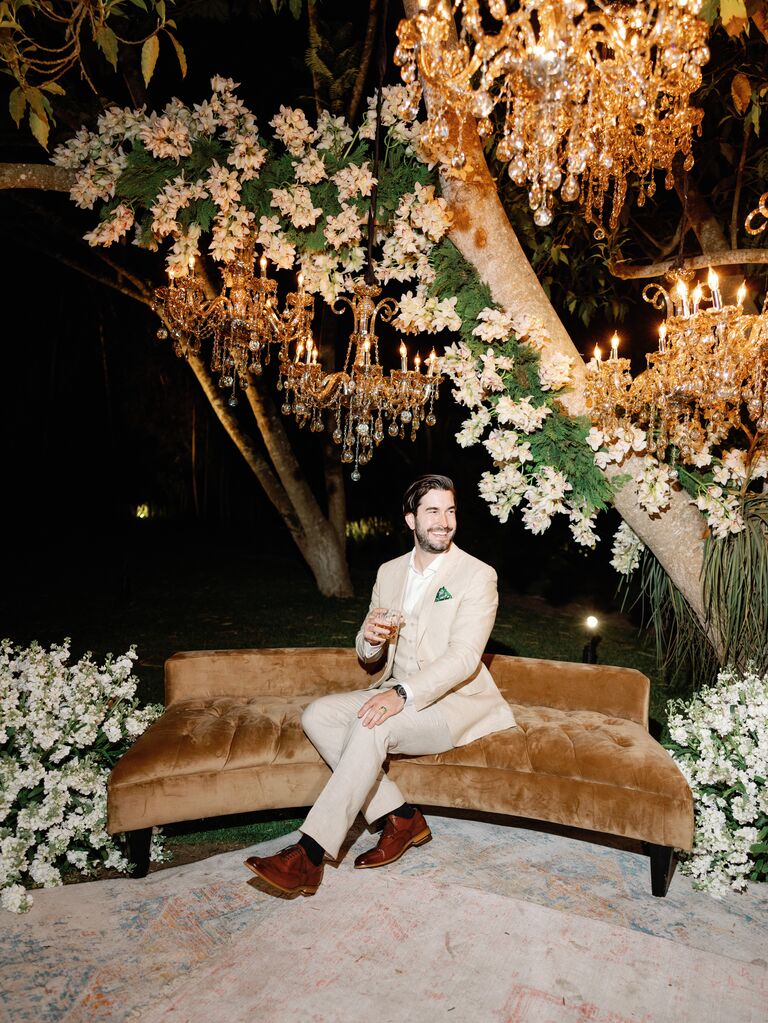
(62, 728)
(204, 177)
(720, 742)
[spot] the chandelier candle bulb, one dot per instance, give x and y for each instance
(714, 286)
(682, 294)
(662, 337)
(263, 268)
(741, 294)
(696, 298)
(403, 358)
(417, 364)
(310, 347)
(598, 355)
(615, 346)
(299, 352)
(432, 361)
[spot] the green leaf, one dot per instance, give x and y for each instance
(40, 127)
(149, 52)
(55, 88)
(182, 57)
(106, 40)
(38, 103)
(17, 104)
(710, 10)
(160, 8)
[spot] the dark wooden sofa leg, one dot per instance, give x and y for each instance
(137, 850)
(663, 863)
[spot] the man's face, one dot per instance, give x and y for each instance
(435, 521)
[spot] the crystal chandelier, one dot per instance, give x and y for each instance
(243, 319)
(708, 378)
(361, 395)
(585, 93)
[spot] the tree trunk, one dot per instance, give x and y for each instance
(483, 234)
(284, 485)
(321, 546)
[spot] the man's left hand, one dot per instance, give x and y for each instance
(382, 705)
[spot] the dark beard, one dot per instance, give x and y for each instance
(426, 544)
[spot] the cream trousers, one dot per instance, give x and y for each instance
(356, 756)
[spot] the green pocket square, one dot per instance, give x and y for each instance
(442, 594)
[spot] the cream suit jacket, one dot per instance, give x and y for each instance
(450, 642)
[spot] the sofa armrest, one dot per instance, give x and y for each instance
(286, 671)
(565, 685)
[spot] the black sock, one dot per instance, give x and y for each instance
(406, 810)
(314, 851)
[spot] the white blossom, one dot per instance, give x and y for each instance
(344, 228)
(354, 180)
(554, 370)
(722, 511)
(333, 132)
(295, 203)
(522, 414)
(493, 325)
(310, 169)
(109, 231)
(293, 129)
(626, 550)
(473, 428)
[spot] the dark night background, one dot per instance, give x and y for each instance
(100, 418)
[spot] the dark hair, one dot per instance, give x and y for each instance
(421, 486)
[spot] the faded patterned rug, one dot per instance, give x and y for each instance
(485, 923)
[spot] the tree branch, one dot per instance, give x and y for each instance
(365, 61)
(42, 177)
(256, 463)
(739, 181)
(725, 257)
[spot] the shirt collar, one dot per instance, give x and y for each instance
(431, 568)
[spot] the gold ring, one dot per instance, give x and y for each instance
(382, 710)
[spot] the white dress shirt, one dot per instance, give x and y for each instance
(415, 586)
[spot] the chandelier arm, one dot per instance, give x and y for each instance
(387, 308)
(341, 299)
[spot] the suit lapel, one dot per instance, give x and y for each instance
(392, 596)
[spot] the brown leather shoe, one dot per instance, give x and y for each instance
(290, 870)
(399, 834)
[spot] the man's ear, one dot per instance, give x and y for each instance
(410, 521)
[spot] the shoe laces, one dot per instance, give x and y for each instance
(290, 852)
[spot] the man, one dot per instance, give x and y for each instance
(432, 693)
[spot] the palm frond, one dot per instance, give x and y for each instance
(735, 587)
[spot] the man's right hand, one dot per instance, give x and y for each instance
(375, 631)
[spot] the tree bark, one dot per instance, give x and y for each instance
(483, 234)
(40, 176)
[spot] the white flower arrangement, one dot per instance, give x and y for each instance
(62, 728)
(719, 740)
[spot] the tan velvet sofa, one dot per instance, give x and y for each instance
(230, 741)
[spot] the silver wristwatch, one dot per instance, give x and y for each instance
(401, 693)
